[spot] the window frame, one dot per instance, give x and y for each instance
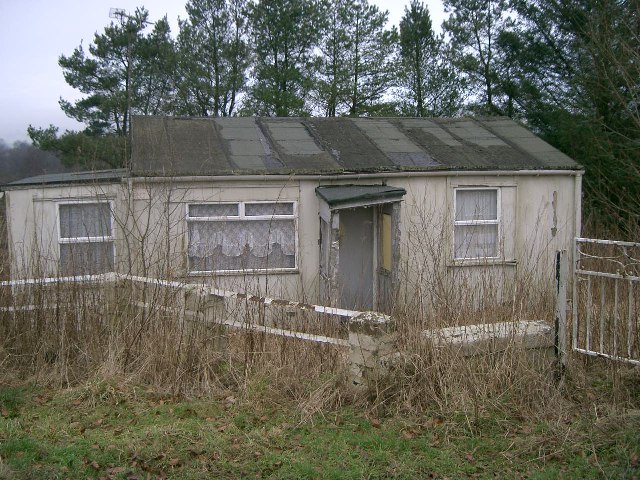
(459, 223)
(242, 217)
(83, 240)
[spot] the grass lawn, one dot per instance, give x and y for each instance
(100, 431)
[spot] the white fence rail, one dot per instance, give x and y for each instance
(370, 337)
(606, 299)
(369, 333)
(201, 289)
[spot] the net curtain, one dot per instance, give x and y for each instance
(259, 236)
(476, 205)
(83, 220)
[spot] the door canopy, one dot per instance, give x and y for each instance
(352, 196)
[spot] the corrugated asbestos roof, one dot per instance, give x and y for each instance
(177, 146)
(97, 176)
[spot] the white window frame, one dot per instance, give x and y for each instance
(497, 221)
(242, 217)
(79, 240)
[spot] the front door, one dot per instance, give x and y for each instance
(356, 266)
(359, 245)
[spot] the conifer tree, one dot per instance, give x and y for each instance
(284, 34)
(214, 57)
(428, 81)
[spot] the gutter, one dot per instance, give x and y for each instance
(356, 176)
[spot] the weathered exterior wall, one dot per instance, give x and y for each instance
(32, 221)
(161, 229)
(540, 214)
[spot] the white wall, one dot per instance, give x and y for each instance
(151, 230)
(159, 226)
(539, 216)
(32, 221)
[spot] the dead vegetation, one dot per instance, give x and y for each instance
(170, 340)
(63, 335)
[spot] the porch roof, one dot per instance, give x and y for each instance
(338, 195)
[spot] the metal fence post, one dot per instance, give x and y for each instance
(562, 273)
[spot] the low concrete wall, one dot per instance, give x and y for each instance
(492, 337)
(371, 335)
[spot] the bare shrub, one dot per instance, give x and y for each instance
(176, 336)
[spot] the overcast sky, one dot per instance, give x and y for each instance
(34, 33)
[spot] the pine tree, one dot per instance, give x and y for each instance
(331, 75)
(214, 57)
(582, 67)
(284, 34)
(369, 59)
(119, 75)
(428, 80)
(474, 27)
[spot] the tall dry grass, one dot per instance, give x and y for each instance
(170, 339)
(74, 334)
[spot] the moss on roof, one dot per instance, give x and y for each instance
(176, 146)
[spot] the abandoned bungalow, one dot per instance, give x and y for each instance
(351, 212)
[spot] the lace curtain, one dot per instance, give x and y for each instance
(476, 205)
(85, 220)
(234, 245)
(79, 221)
(476, 240)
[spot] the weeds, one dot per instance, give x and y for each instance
(146, 366)
(102, 339)
(145, 392)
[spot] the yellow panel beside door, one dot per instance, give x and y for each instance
(386, 242)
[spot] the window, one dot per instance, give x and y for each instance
(85, 238)
(477, 223)
(228, 237)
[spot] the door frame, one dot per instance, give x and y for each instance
(329, 212)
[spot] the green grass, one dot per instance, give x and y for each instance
(101, 432)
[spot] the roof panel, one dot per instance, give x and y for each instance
(300, 147)
(292, 137)
(241, 122)
(472, 132)
(351, 149)
(283, 132)
(239, 133)
(527, 142)
(386, 136)
(420, 159)
(398, 147)
(249, 162)
(246, 147)
(224, 146)
(431, 128)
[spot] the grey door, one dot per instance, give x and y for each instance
(355, 269)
